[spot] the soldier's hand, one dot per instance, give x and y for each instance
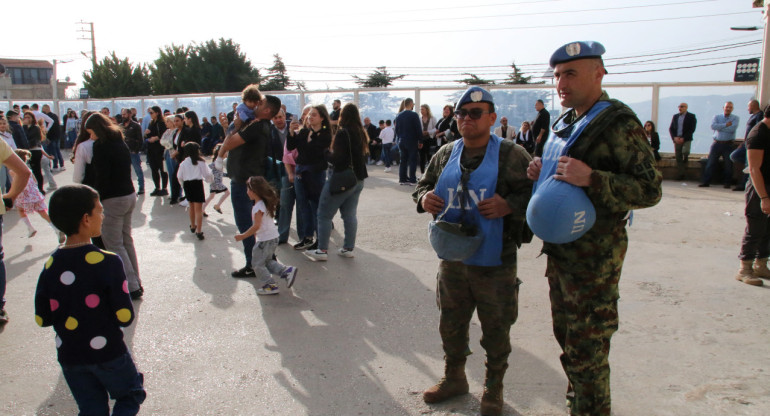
(573, 171)
(533, 170)
(495, 207)
(432, 203)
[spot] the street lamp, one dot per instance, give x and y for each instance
(54, 80)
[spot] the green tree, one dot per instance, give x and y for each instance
(213, 66)
(380, 78)
(115, 77)
(169, 73)
(474, 79)
(276, 79)
(220, 66)
(517, 77)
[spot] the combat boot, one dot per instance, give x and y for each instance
(452, 384)
(760, 268)
(746, 274)
(492, 399)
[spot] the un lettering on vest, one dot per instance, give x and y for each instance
(580, 222)
(475, 197)
(555, 149)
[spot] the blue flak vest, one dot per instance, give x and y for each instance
(556, 147)
(481, 185)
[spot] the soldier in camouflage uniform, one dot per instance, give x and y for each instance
(486, 281)
(613, 163)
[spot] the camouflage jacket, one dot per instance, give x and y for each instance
(624, 177)
(512, 184)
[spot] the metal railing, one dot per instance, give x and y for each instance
(651, 101)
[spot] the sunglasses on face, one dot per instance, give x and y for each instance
(474, 113)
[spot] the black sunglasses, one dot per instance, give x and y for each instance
(474, 113)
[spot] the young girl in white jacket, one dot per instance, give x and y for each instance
(192, 172)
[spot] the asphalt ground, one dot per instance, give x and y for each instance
(359, 336)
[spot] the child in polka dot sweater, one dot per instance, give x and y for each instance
(83, 292)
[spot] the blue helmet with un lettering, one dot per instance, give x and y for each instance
(560, 212)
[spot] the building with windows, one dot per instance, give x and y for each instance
(28, 79)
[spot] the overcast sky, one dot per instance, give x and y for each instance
(324, 43)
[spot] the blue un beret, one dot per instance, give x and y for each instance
(475, 94)
(577, 50)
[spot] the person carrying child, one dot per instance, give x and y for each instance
(246, 111)
(32, 200)
(217, 187)
(192, 173)
(262, 260)
(83, 293)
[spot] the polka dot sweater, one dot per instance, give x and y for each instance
(83, 293)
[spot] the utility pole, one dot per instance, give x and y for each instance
(90, 31)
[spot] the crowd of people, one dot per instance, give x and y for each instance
(482, 179)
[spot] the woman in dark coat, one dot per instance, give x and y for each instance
(112, 179)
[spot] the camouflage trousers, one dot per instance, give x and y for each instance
(584, 306)
(493, 292)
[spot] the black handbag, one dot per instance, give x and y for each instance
(346, 179)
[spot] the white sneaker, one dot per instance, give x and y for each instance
(290, 274)
(317, 255)
(379, 163)
(184, 203)
(268, 289)
(345, 252)
(387, 170)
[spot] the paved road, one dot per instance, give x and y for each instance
(359, 336)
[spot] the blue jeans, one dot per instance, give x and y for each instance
(409, 157)
(723, 150)
(347, 204)
(52, 148)
(307, 203)
(2, 268)
(90, 384)
(72, 135)
(386, 154)
(264, 264)
(136, 162)
(739, 156)
(242, 211)
(169, 162)
(288, 196)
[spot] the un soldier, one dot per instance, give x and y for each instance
(497, 195)
(612, 162)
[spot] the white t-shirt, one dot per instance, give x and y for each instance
(387, 135)
(267, 230)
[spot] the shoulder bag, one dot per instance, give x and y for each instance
(344, 180)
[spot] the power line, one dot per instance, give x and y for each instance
(674, 69)
(474, 6)
(432, 32)
(550, 12)
(473, 67)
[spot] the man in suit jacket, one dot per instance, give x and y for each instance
(681, 130)
(504, 131)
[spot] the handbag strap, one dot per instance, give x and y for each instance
(350, 148)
